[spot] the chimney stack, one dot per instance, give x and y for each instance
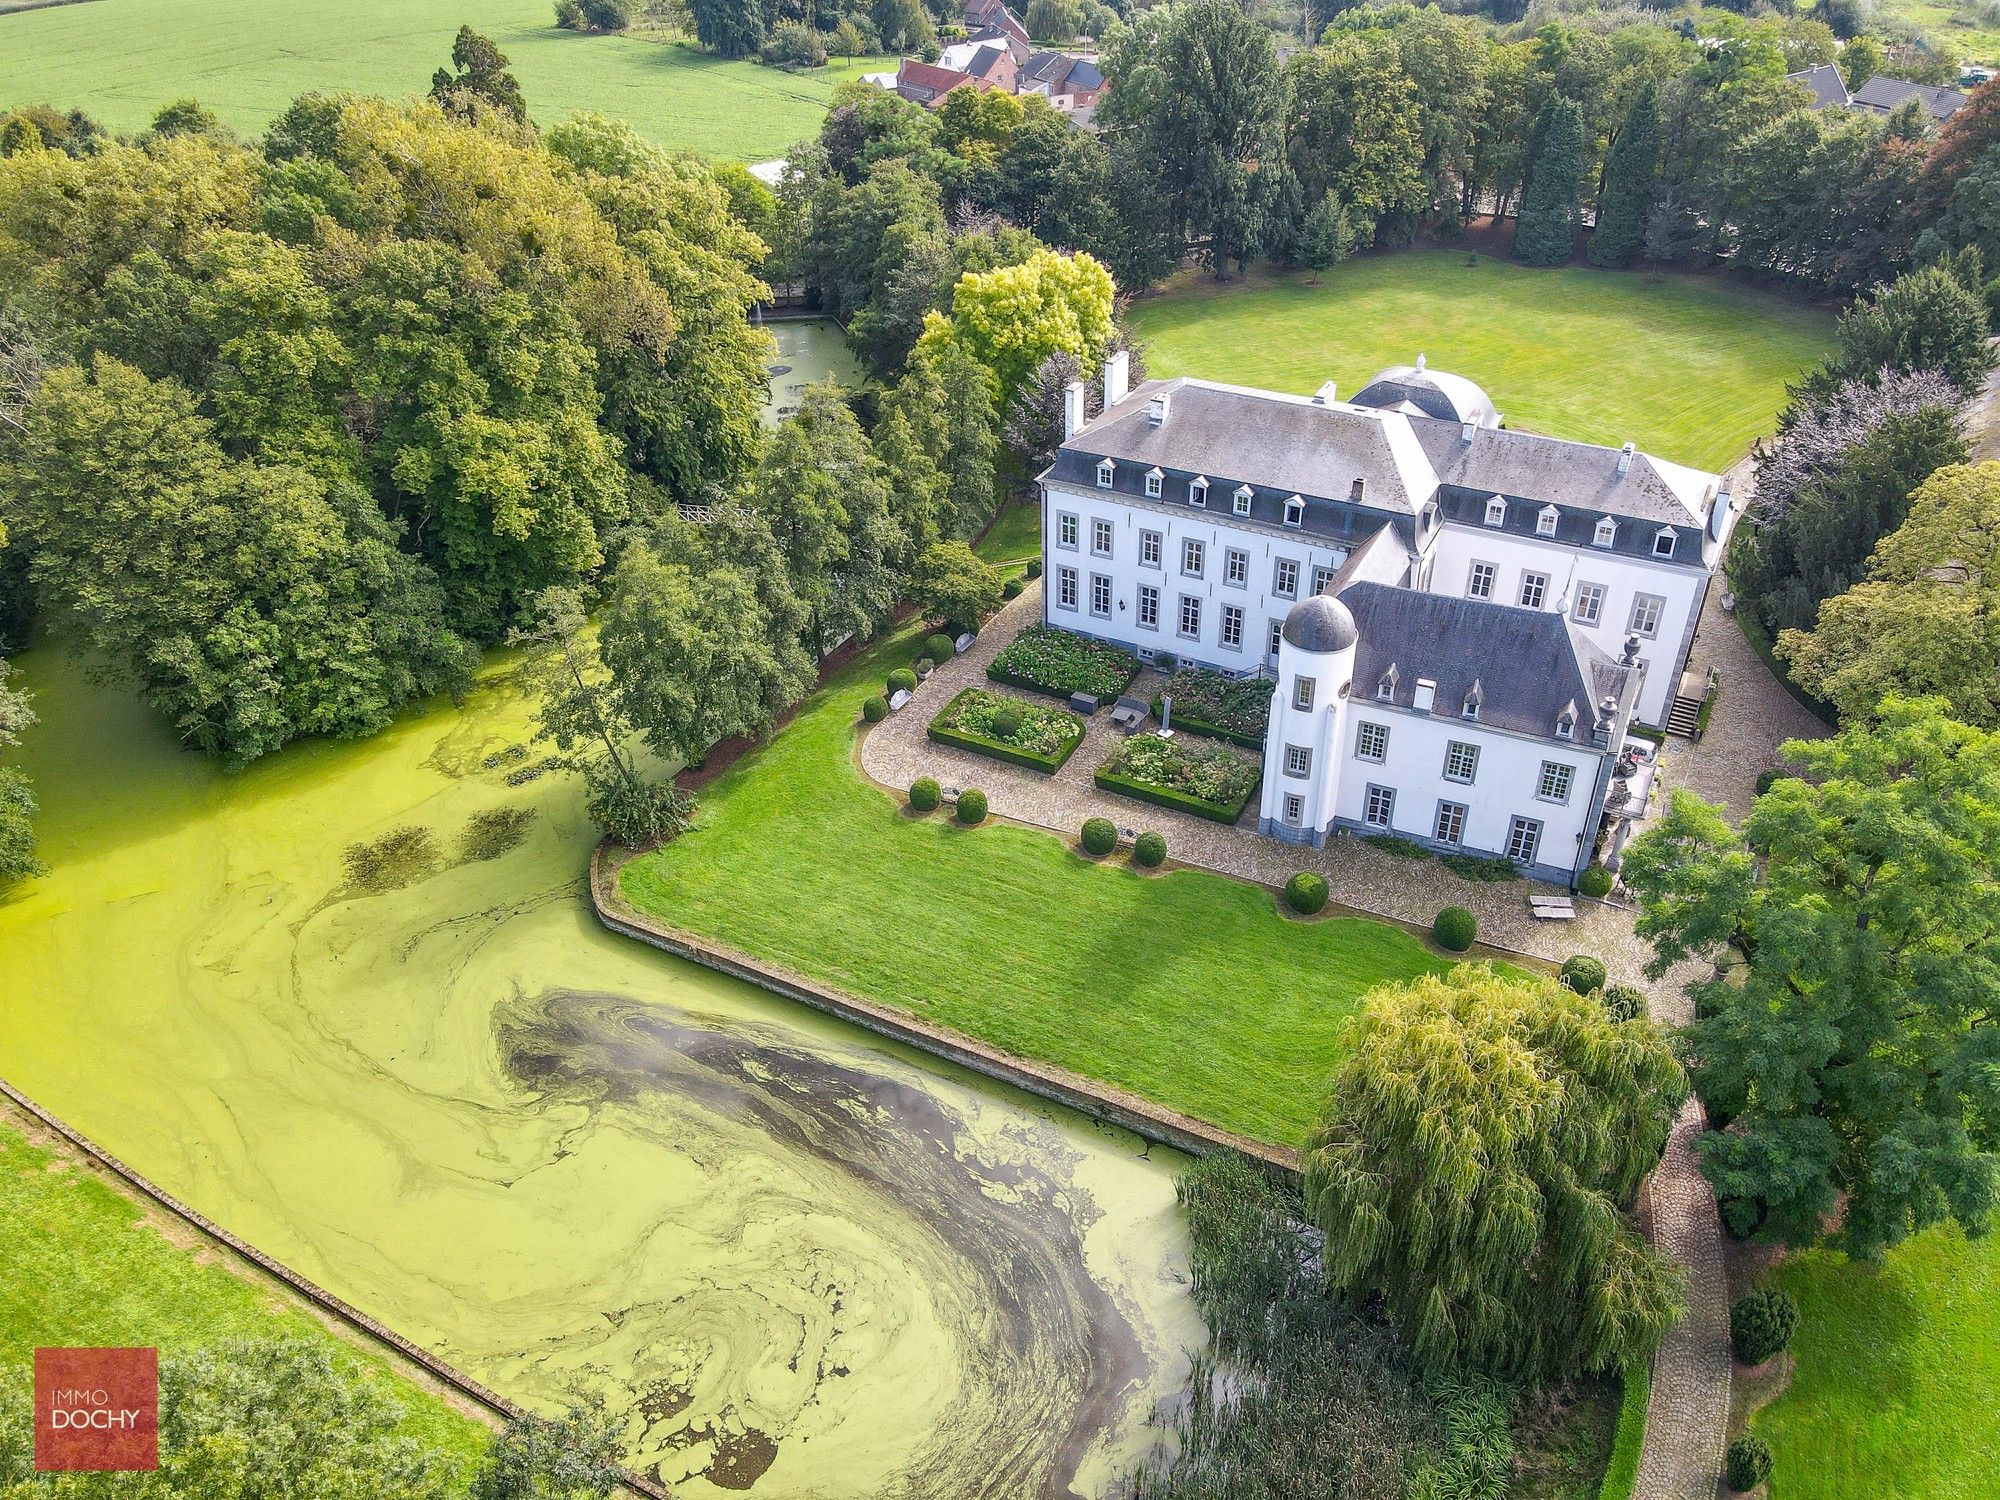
(1156, 410)
(1072, 409)
(1465, 431)
(1326, 395)
(1625, 459)
(1117, 378)
(1357, 490)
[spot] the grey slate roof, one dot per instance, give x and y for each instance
(1321, 624)
(1433, 393)
(1528, 466)
(1881, 96)
(1829, 89)
(1530, 664)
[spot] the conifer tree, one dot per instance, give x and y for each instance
(1631, 173)
(1546, 231)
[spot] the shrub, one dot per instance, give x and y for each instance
(875, 708)
(1595, 882)
(1164, 662)
(1012, 588)
(1747, 1464)
(1761, 1324)
(923, 666)
(1205, 701)
(902, 680)
(971, 806)
(1007, 722)
(1210, 773)
(793, 45)
(1454, 929)
(1487, 867)
(1742, 1217)
(1149, 850)
(1769, 777)
(1059, 662)
(939, 648)
(1100, 836)
(1306, 892)
(1584, 974)
(925, 795)
(1035, 568)
(1624, 1002)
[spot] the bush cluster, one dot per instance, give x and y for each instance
(1012, 588)
(1306, 893)
(925, 794)
(875, 708)
(1747, 1464)
(1007, 721)
(902, 680)
(1584, 974)
(1761, 1324)
(1595, 882)
(1100, 837)
(793, 44)
(1211, 772)
(1059, 662)
(939, 648)
(1011, 721)
(1209, 700)
(1455, 929)
(971, 806)
(1769, 777)
(1624, 1002)
(1149, 850)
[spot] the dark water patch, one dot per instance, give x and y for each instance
(400, 857)
(492, 832)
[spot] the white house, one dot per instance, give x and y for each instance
(1476, 614)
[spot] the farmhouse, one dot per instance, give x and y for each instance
(1462, 621)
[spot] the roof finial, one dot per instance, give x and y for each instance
(1420, 364)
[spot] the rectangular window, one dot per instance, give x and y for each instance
(1190, 616)
(1298, 760)
(1534, 589)
(1321, 578)
(1480, 584)
(1100, 596)
(1149, 607)
(1065, 529)
(1153, 485)
(1379, 806)
(1554, 784)
(1285, 578)
(1100, 538)
(1302, 693)
(1149, 549)
(1295, 809)
(1461, 762)
(1192, 557)
(1236, 567)
(1065, 588)
(1198, 492)
(1232, 627)
(1589, 603)
(1277, 636)
(1663, 544)
(1646, 612)
(1524, 837)
(1450, 827)
(1371, 741)
(1241, 502)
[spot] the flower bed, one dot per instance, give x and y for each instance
(1044, 659)
(1010, 729)
(1209, 781)
(1223, 708)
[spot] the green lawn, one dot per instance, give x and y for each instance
(80, 1265)
(1896, 1390)
(246, 59)
(1689, 368)
(1015, 536)
(1188, 988)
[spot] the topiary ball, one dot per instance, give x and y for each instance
(925, 795)
(1595, 882)
(1035, 568)
(1007, 722)
(1100, 836)
(1455, 929)
(1769, 777)
(1012, 588)
(1149, 850)
(875, 708)
(902, 680)
(1584, 974)
(971, 807)
(939, 648)
(1761, 1324)
(1164, 663)
(1747, 1464)
(1624, 1002)
(1306, 892)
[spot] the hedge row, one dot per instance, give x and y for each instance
(1184, 720)
(978, 744)
(1159, 796)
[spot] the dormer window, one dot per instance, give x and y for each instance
(1496, 512)
(1425, 695)
(1295, 511)
(1606, 533)
(1566, 724)
(1385, 686)
(1472, 699)
(1154, 479)
(1545, 521)
(1241, 499)
(1198, 491)
(1663, 542)
(1105, 469)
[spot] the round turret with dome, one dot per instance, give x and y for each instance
(1316, 648)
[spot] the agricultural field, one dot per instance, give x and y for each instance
(1692, 369)
(247, 59)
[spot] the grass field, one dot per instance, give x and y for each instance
(1188, 988)
(81, 1265)
(1895, 1393)
(1689, 368)
(1974, 37)
(247, 59)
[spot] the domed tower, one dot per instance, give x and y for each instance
(1308, 709)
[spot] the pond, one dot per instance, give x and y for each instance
(794, 1259)
(809, 350)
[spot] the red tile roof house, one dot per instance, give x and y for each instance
(926, 83)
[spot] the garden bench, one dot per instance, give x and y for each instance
(1552, 908)
(1083, 703)
(962, 642)
(1129, 713)
(898, 698)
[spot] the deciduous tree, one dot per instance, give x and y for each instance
(482, 79)
(951, 585)
(1012, 318)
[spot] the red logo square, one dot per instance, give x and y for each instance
(97, 1409)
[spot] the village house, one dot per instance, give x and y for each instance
(1463, 621)
(996, 54)
(1878, 96)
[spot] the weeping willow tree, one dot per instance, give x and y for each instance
(1471, 1167)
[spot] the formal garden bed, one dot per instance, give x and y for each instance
(1007, 728)
(1236, 709)
(1208, 781)
(1044, 659)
